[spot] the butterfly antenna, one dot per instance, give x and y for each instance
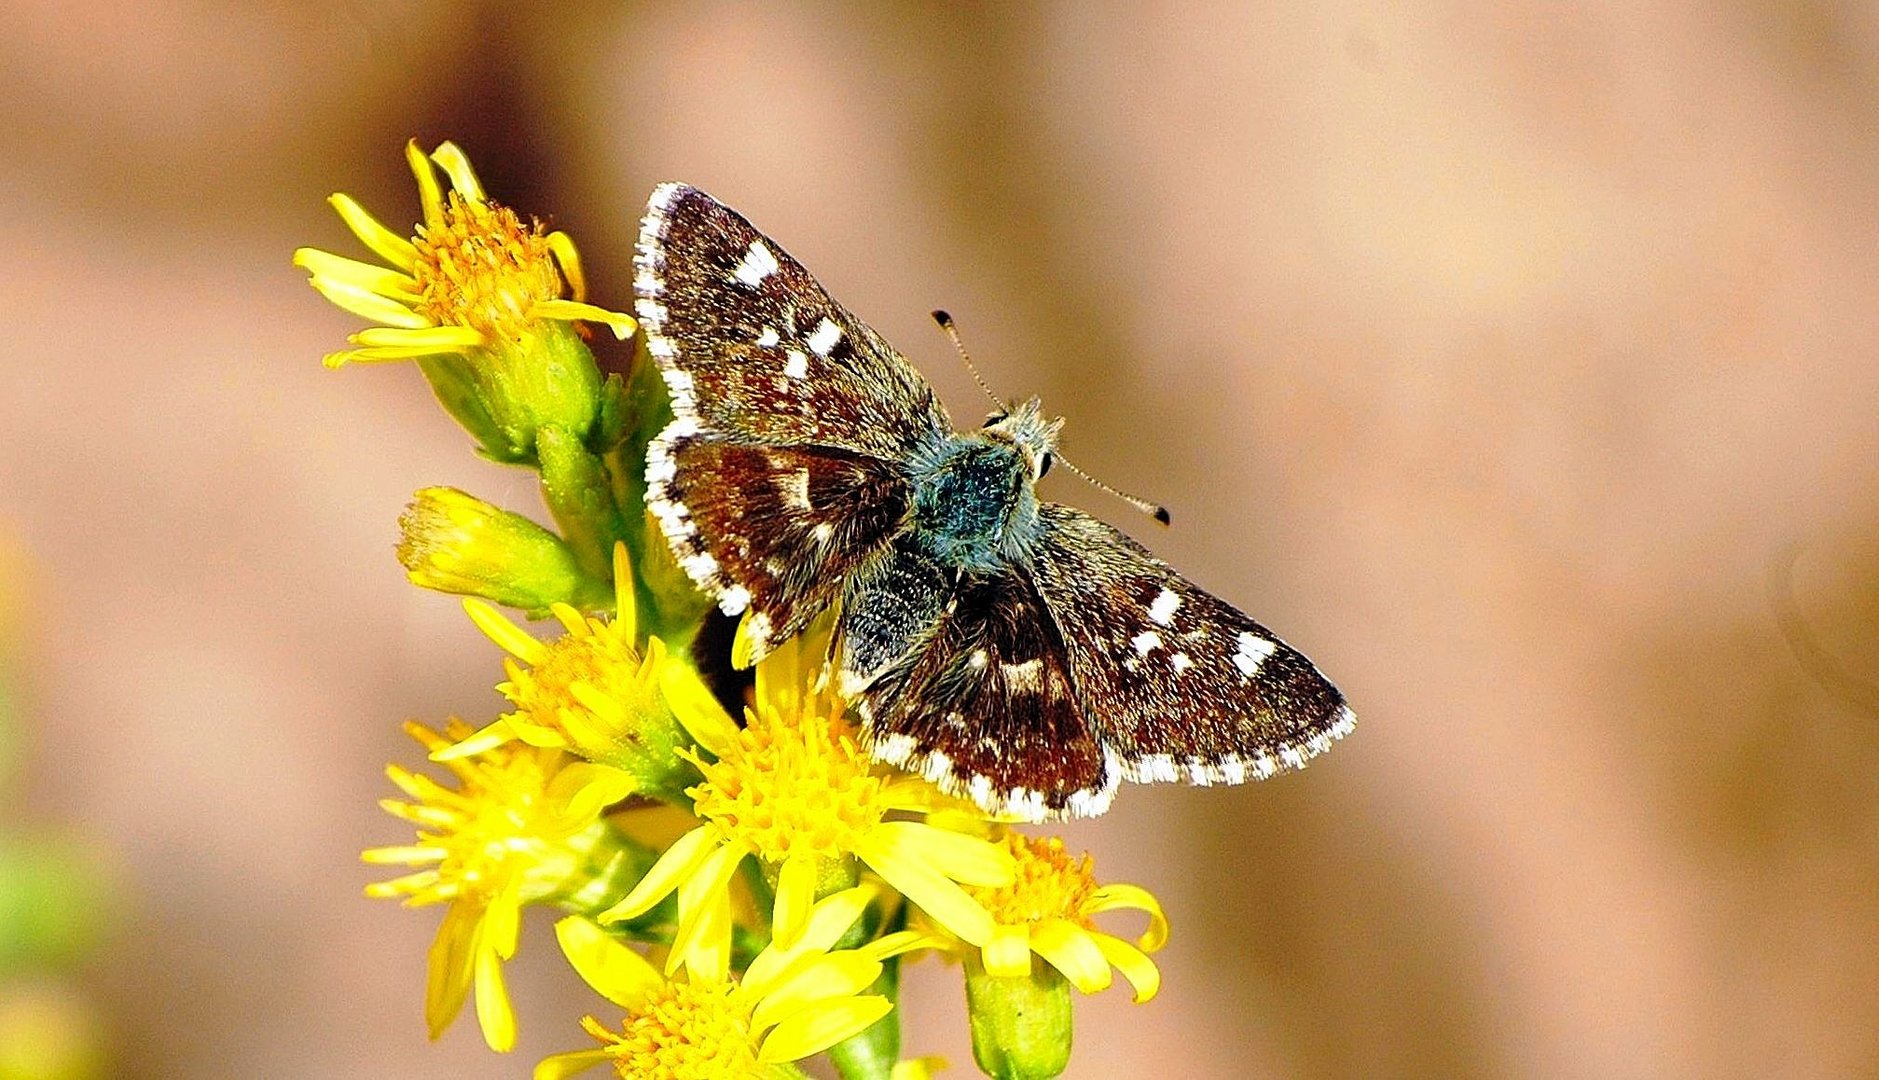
(1154, 510)
(952, 333)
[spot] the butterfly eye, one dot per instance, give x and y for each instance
(995, 419)
(1043, 467)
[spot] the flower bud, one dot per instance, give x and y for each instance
(457, 543)
(1020, 1024)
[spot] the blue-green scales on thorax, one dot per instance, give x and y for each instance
(974, 501)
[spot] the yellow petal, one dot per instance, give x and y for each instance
(834, 914)
(493, 1012)
(678, 862)
(1135, 966)
(901, 942)
(1008, 954)
(430, 195)
(703, 942)
(409, 884)
(1111, 897)
(367, 304)
(587, 789)
(742, 647)
(490, 736)
(431, 339)
(456, 165)
(834, 975)
(905, 867)
(383, 280)
(561, 245)
(619, 322)
(829, 919)
(409, 855)
(561, 1066)
(795, 893)
(962, 858)
(502, 921)
(812, 1031)
(615, 971)
(509, 637)
(625, 609)
(447, 969)
(1071, 950)
(393, 248)
(696, 709)
(375, 355)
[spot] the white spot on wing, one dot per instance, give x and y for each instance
(758, 264)
(823, 531)
(1023, 676)
(824, 338)
(769, 337)
(1161, 612)
(1181, 661)
(1253, 652)
(798, 365)
(1146, 642)
(733, 600)
(795, 489)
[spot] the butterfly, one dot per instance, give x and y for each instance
(1016, 652)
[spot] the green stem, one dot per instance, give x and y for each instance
(579, 493)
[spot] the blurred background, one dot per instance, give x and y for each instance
(1516, 361)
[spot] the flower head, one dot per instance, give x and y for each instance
(590, 690)
(793, 788)
(790, 1003)
(523, 826)
(1049, 909)
(480, 298)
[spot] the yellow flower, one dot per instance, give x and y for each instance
(1049, 910)
(589, 690)
(473, 275)
(478, 299)
(793, 788)
(523, 826)
(790, 1003)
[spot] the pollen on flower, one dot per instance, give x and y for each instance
(1049, 884)
(793, 784)
(596, 654)
(688, 1030)
(480, 266)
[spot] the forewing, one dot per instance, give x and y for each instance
(753, 349)
(774, 529)
(1185, 686)
(982, 704)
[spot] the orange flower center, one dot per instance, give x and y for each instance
(482, 267)
(1049, 884)
(686, 1032)
(792, 785)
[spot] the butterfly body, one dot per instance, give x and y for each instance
(974, 503)
(1015, 651)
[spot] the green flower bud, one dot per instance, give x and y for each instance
(1020, 1024)
(457, 543)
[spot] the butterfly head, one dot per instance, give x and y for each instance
(1024, 426)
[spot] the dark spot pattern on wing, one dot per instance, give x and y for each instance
(984, 706)
(1184, 686)
(756, 351)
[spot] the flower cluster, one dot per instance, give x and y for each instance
(772, 924)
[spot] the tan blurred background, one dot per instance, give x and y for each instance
(1496, 355)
